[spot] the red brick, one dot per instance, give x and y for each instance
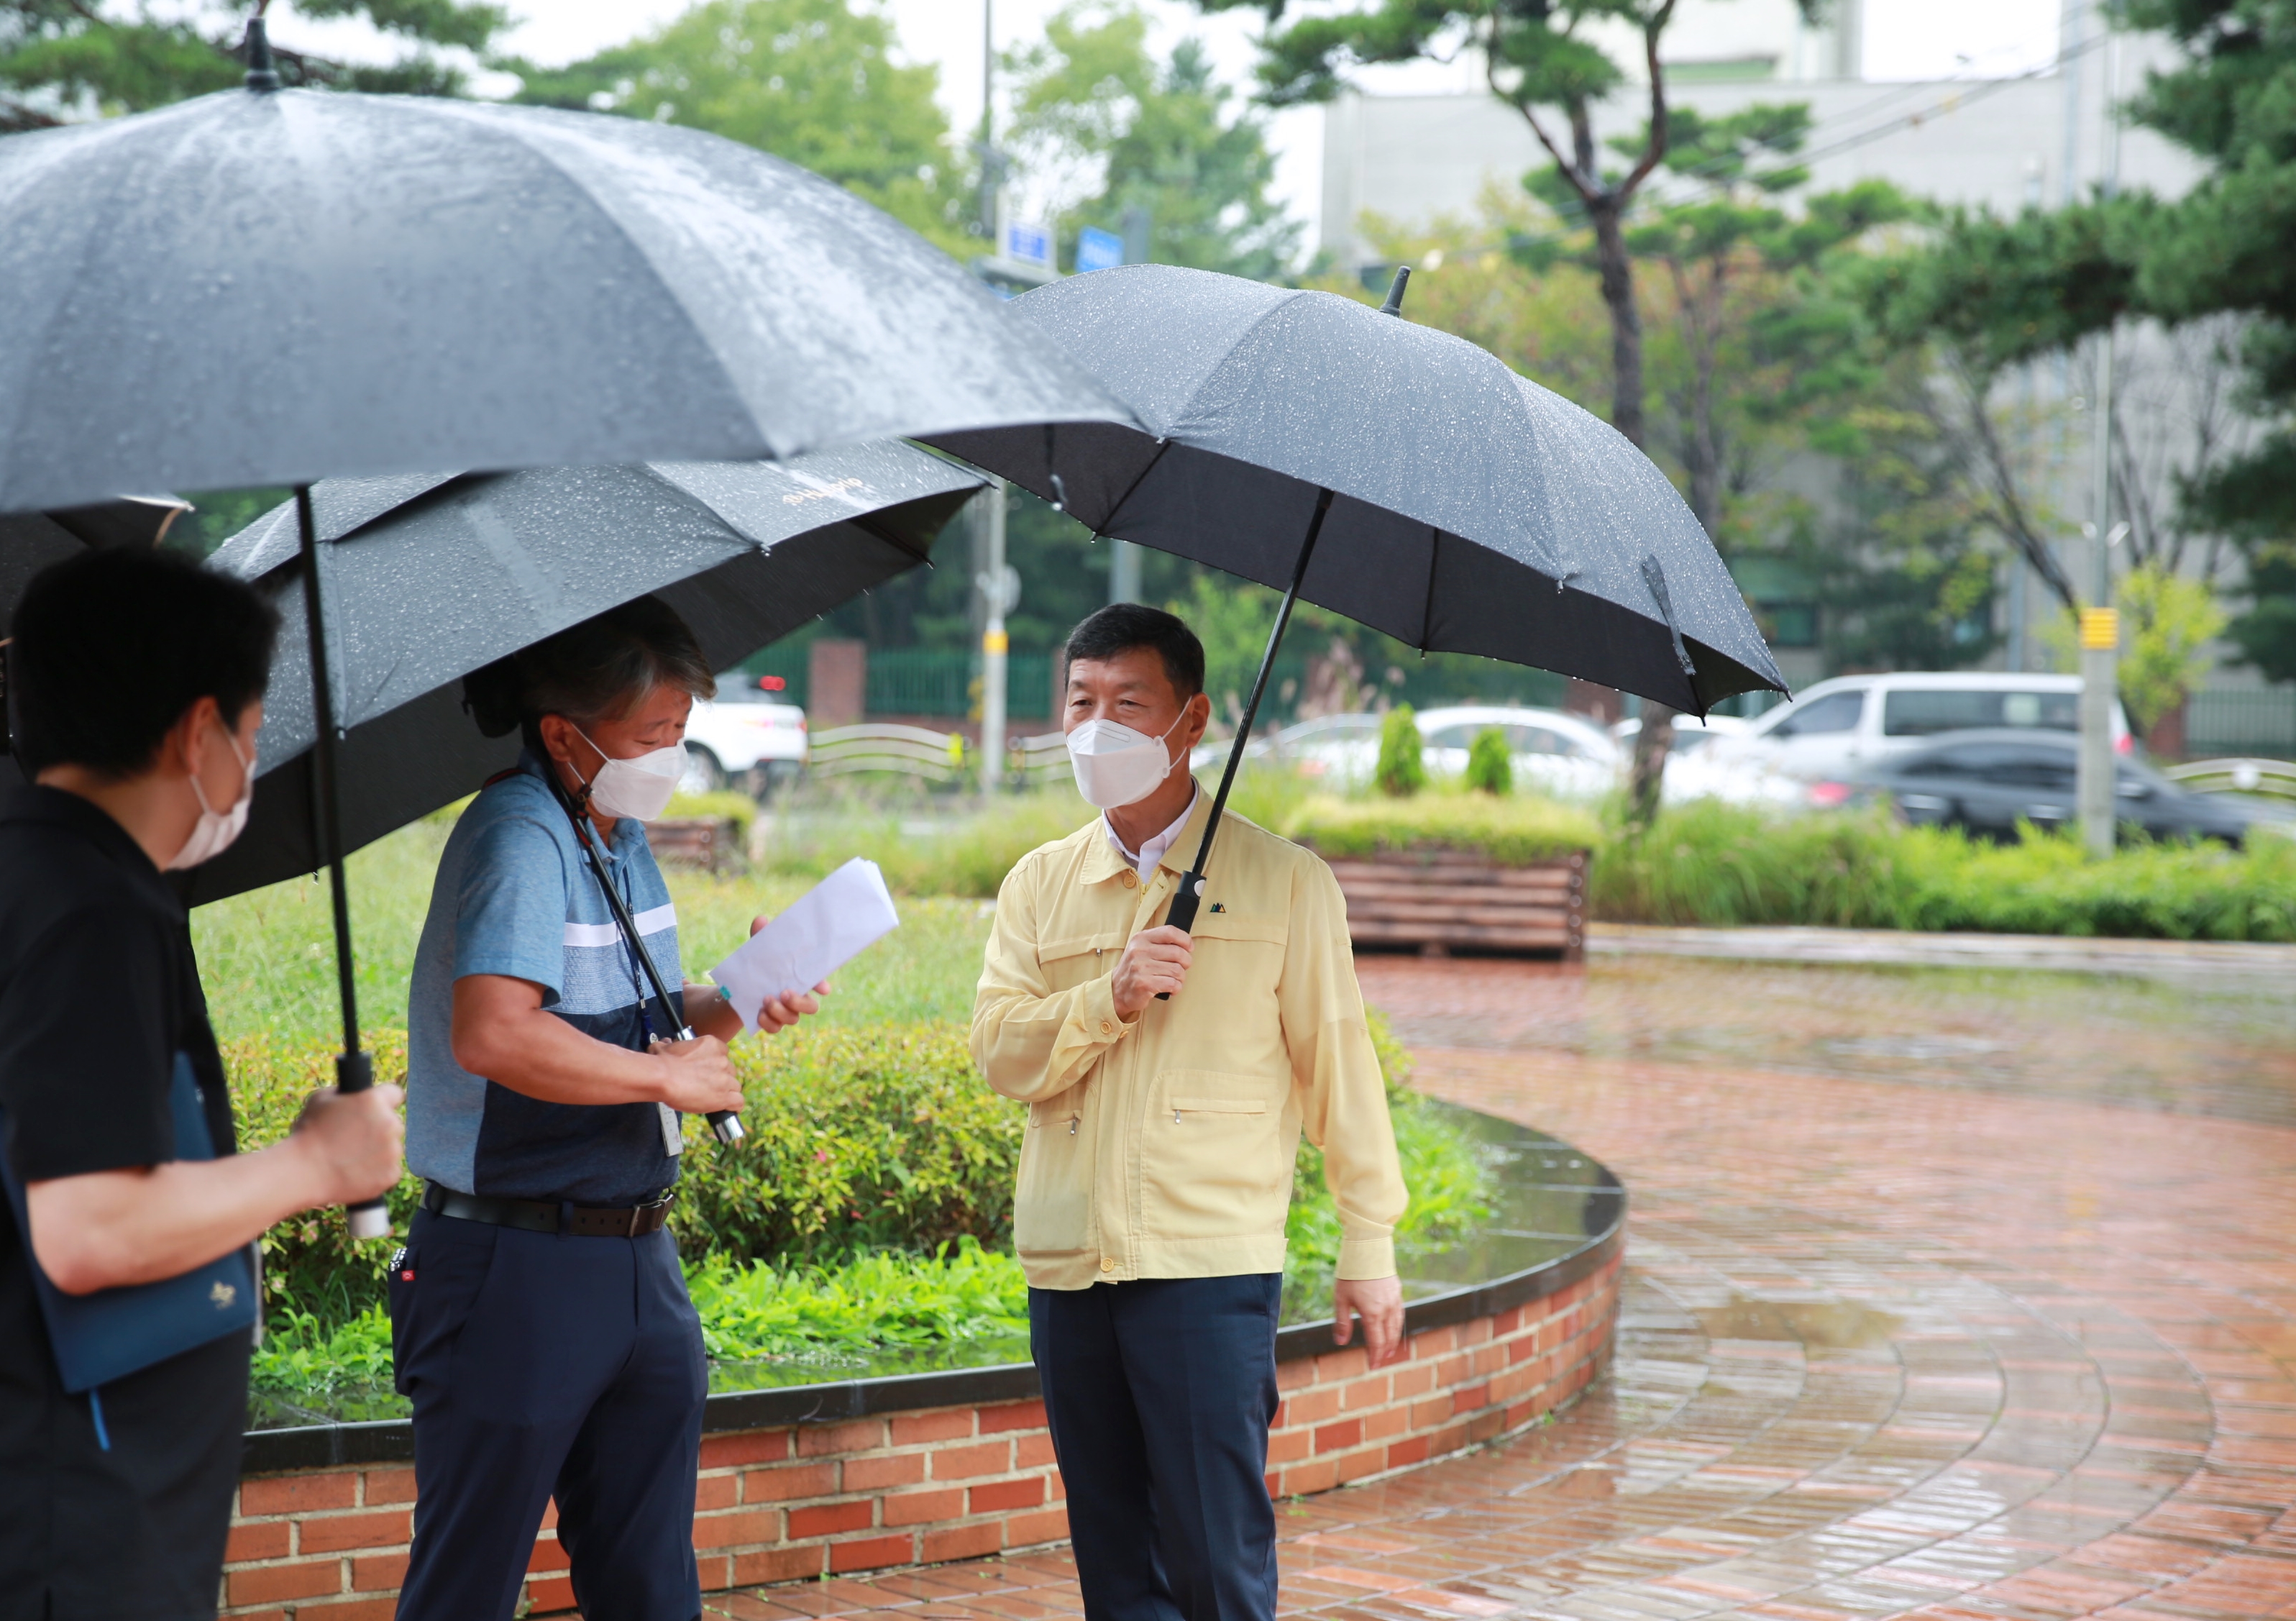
(265, 1539)
(1338, 1366)
(716, 1492)
(1387, 1421)
(713, 1572)
(750, 1446)
(549, 1516)
(1411, 1380)
(378, 1572)
(1296, 1374)
(962, 1462)
(1312, 1406)
(549, 1554)
(262, 1614)
(298, 1493)
(1044, 1525)
(962, 1543)
(550, 1594)
(348, 1609)
(779, 1565)
(268, 1581)
(886, 1469)
(1320, 1475)
(1371, 1391)
(1405, 1453)
(827, 1519)
(1033, 1452)
(1000, 1495)
(915, 1508)
(393, 1486)
(1507, 1321)
(788, 1481)
(1017, 1415)
(923, 1428)
(733, 1530)
(869, 1553)
(1470, 1397)
(823, 1440)
(1355, 1466)
(1339, 1438)
(333, 1533)
(1289, 1445)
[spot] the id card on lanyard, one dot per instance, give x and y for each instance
(673, 1129)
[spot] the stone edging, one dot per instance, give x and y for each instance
(2059, 953)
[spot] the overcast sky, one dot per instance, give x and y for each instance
(1904, 39)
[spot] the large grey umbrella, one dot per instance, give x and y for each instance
(1393, 473)
(426, 578)
(269, 287)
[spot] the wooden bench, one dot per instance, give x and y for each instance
(1444, 899)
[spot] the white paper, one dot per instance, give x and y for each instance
(816, 934)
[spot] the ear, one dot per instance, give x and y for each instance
(178, 753)
(558, 737)
(1194, 716)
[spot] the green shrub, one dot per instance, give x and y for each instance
(1490, 767)
(727, 805)
(869, 1301)
(1714, 864)
(1402, 768)
(1510, 831)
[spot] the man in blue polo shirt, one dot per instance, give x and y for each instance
(539, 1320)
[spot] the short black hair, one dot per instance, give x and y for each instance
(589, 672)
(1122, 626)
(111, 647)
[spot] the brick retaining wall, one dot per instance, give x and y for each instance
(950, 1482)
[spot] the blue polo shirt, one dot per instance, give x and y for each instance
(516, 895)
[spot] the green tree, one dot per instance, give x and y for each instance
(67, 59)
(2168, 621)
(1490, 768)
(810, 80)
(1161, 136)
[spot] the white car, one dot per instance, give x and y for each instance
(1838, 727)
(1696, 770)
(747, 738)
(1553, 752)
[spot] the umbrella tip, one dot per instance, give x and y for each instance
(1394, 305)
(262, 72)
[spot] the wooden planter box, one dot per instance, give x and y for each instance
(1441, 900)
(707, 842)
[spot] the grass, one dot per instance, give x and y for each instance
(1508, 829)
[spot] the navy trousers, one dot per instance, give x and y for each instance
(544, 1366)
(1160, 1394)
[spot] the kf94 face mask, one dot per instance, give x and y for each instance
(640, 787)
(1117, 766)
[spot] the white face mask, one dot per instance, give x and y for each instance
(216, 828)
(638, 788)
(1116, 766)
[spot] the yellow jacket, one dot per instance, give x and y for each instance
(1162, 1147)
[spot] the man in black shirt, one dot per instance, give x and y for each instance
(135, 685)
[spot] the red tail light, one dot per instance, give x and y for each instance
(2125, 743)
(1826, 795)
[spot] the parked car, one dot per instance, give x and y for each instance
(1553, 752)
(1694, 770)
(747, 738)
(1839, 726)
(1690, 733)
(1987, 781)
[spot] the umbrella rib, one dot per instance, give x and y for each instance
(1427, 608)
(1138, 479)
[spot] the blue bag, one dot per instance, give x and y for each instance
(115, 1332)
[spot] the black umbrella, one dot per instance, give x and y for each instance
(265, 286)
(31, 540)
(1393, 473)
(424, 578)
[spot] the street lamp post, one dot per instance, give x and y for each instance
(2094, 786)
(999, 584)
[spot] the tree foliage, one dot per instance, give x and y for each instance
(62, 59)
(810, 80)
(1161, 137)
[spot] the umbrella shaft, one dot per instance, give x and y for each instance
(1183, 915)
(326, 815)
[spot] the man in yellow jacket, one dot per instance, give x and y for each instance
(1157, 1166)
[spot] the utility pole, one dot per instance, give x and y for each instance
(999, 584)
(2100, 622)
(1123, 571)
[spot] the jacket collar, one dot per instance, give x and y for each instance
(30, 801)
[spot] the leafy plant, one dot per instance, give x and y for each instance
(1510, 831)
(1402, 768)
(1490, 768)
(2168, 621)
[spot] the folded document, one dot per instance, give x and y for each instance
(815, 935)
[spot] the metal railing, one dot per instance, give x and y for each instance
(2271, 779)
(873, 746)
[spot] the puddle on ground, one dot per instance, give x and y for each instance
(2225, 1047)
(1830, 1325)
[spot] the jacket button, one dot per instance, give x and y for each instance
(1131, 879)
(1107, 1264)
(1107, 1028)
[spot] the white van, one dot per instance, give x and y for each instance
(1836, 728)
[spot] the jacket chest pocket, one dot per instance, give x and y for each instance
(1072, 961)
(1213, 1157)
(1244, 953)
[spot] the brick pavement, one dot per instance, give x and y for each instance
(1892, 1347)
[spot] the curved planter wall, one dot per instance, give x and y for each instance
(865, 1474)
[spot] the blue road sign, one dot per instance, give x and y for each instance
(1029, 242)
(1098, 249)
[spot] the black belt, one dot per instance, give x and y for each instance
(543, 1216)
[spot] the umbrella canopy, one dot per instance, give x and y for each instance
(31, 540)
(1472, 510)
(424, 578)
(268, 287)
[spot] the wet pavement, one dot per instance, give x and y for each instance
(1950, 1295)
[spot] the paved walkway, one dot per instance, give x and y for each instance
(1894, 1344)
(2182, 959)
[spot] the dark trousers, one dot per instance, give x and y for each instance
(541, 1366)
(1160, 1394)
